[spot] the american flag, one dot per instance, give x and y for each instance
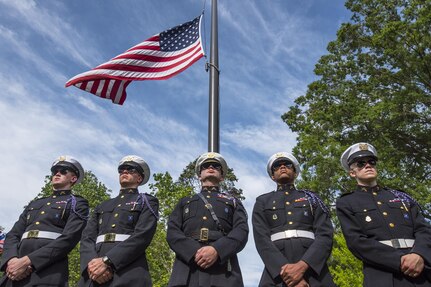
(158, 58)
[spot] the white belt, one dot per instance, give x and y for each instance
(111, 237)
(40, 234)
(399, 243)
(290, 233)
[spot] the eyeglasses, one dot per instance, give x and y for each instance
(277, 165)
(362, 163)
(61, 170)
(129, 169)
(214, 165)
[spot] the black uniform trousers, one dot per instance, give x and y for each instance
(186, 222)
(291, 209)
(370, 215)
(130, 213)
(60, 213)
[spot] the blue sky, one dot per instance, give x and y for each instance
(267, 53)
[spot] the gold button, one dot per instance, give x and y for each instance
(374, 193)
(119, 205)
(43, 212)
(122, 196)
(208, 196)
(391, 224)
(385, 213)
(273, 207)
(49, 203)
(402, 207)
(59, 207)
(286, 192)
(379, 202)
(290, 222)
(37, 223)
(287, 202)
(289, 212)
(113, 225)
(116, 215)
(365, 210)
(54, 196)
(273, 201)
(204, 218)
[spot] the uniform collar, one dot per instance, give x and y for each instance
(129, 191)
(285, 187)
(62, 192)
(210, 189)
(362, 188)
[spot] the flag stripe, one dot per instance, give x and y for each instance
(158, 58)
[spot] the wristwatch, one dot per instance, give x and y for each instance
(107, 261)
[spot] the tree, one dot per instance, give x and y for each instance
(374, 86)
(160, 256)
(95, 192)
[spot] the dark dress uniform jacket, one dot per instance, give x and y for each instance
(129, 213)
(292, 209)
(61, 213)
(185, 223)
(369, 215)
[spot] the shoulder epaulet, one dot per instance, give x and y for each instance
(346, 192)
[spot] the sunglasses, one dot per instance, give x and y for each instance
(276, 166)
(214, 165)
(129, 169)
(362, 163)
(61, 170)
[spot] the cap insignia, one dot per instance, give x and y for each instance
(62, 158)
(363, 146)
(211, 155)
(280, 154)
(129, 158)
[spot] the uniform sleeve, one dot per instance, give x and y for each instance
(60, 247)
(184, 247)
(270, 254)
(133, 247)
(319, 251)
(13, 238)
(368, 250)
(88, 241)
(229, 245)
(422, 233)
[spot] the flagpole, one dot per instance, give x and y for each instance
(213, 115)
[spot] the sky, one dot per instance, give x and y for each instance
(267, 54)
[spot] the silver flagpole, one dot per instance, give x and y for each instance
(213, 115)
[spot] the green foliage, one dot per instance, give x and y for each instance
(374, 86)
(95, 192)
(168, 192)
(346, 268)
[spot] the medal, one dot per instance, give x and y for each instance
(368, 219)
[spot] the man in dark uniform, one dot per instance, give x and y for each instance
(292, 230)
(119, 231)
(207, 230)
(36, 248)
(383, 227)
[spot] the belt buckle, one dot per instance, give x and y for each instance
(395, 243)
(109, 237)
(33, 234)
(204, 234)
